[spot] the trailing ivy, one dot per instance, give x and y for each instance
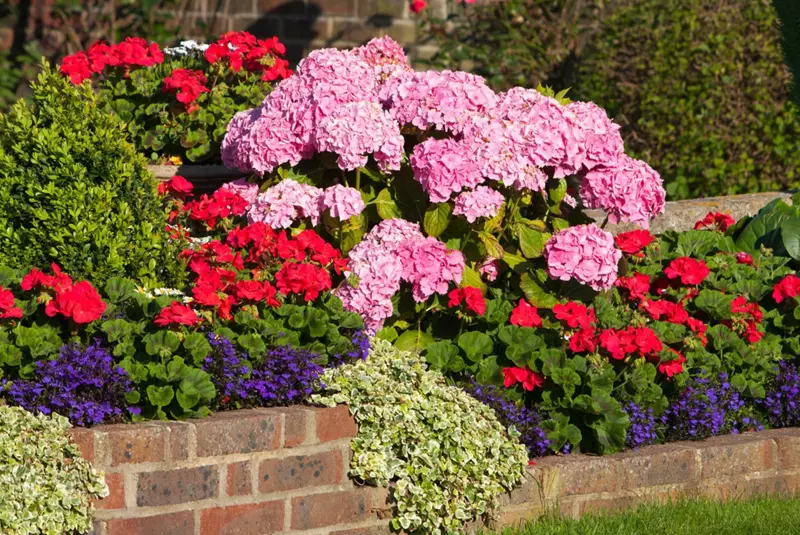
(446, 453)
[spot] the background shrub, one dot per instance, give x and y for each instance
(701, 91)
(75, 192)
(47, 486)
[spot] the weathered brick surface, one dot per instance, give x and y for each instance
(253, 519)
(168, 487)
(116, 496)
(167, 524)
(84, 439)
(330, 509)
(239, 432)
(788, 447)
(733, 455)
(179, 440)
(579, 474)
(659, 465)
(335, 423)
(239, 481)
(295, 426)
(145, 443)
(277, 475)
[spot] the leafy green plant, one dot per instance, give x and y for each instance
(445, 454)
(776, 227)
(47, 486)
(701, 91)
(789, 14)
(75, 192)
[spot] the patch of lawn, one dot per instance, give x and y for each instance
(767, 516)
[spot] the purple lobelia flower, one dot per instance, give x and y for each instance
(642, 431)
(707, 408)
(525, 420)
(228, 369)
(782, 402)
(82, 384)
(360, 350)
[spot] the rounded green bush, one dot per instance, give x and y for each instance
(47, 488)
(701, 91)
(74, 191)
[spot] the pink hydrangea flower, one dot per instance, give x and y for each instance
(596, 138)
(243, 189)
(444, 167)
(286, 202)
(489, 269)
(429, 266)
(585, 253)
(235, 154)
(343, 202)
(356, 130)
(480, 202)
(385, 56)
(627, 189)
(443, 100)
(272, 141)
(392, 232)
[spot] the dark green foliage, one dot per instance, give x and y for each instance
(789, 14)
(75, 192)
(701, 91)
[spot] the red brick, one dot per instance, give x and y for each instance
(239, 483)
(169, 487)
(335, 7)
(238, 432)
(179, 440)
(116, 493)
(84, 439)
(335, 423)
(331, 509)
(277, 475)
(735, 454)
(295, 426)
(788, 444)
(578, 474)
(658, 465)
(254, 519)
(136, 443)
(170, 524)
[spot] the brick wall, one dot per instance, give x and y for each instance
(284, 471)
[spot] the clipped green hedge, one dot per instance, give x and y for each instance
(446, 452)
(701, 91)
(47, 488)
(74, 191)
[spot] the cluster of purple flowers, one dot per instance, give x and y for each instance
(782, 402)
(525, 420)
(361, 347)
(286, 375)
(82, 384)
(707, 408)
(642, 431)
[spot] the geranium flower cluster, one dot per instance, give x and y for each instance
(130, 53)
(187, 84)
(395, 251)
(78, 302)
(238, 50)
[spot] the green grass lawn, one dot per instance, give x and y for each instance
(767, 516)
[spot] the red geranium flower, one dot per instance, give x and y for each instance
(744, 258)
(206, 294)
(672, 367)
(787, 288)
(269, 295)
(618, 344)
(574, 315)
(716, 221)
(751, 333)
(417, 6)
(525, 315)
(583, 340)
(176, 313)
(740, 306)
(637, 285)
(471, 296)
(699, 328)
(81, 302)
(187, 84)
(689, 270)
(248, 290)
(306, 279)
(634, 241)
(290, 249)
(35, 278)
(7, 308)
(527, 378)
(646, 341)
(672, 312)
(177, 186)
(77, 67)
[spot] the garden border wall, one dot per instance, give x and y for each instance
(284, 471)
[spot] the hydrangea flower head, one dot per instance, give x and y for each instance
(480, 202)
(585, 253)
(627, 189)
(429, 266)
(385, 56)
(243, 188)
(444, 167)
(343, 202)
(286, 202)
(595, 137)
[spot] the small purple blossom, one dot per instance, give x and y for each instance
(82, 384)
(360, 350)
(782, 402)
(642, 431)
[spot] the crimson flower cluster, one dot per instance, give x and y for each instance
(469, 296)
(188, 84)
(78, 301)
(130, 53)
(239, 50)
(715, 221)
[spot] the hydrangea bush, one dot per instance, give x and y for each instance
(176, 102)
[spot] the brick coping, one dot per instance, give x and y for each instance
(284, 471)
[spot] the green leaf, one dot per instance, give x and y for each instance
(715, 304)
(162, 343)
(118, 289)
(413, 341)
(472, 278)
(197, 346)
(444, 356)
(196, 386)
(387, 333)
(531, 240)
(535, 293)
(253, 344)
(790, 233)
(384, 203)
(493, 247)
(558, 193)
(437, 217)
(160, 396)
(117, 329)
(476, 345)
